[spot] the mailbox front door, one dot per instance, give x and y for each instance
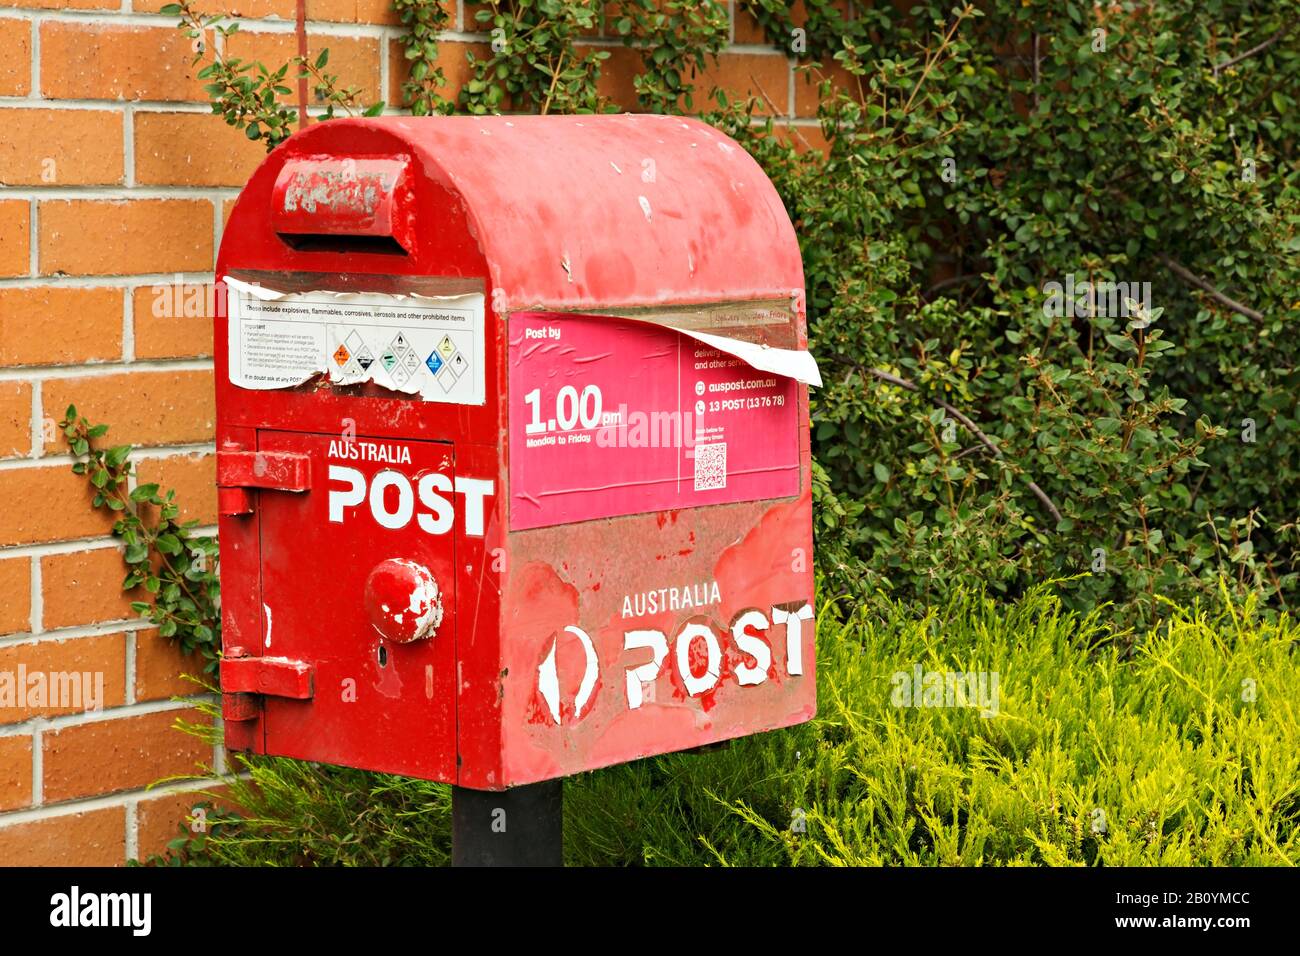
(375, 701)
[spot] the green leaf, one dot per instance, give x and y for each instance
(114, 457)
(144, 492)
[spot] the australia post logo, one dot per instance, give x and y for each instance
(393, 498)
(694, 650)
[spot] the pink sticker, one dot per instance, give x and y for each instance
(614, 417)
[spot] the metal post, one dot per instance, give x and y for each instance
(522, 826)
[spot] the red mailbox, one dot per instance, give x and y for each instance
(513, 456)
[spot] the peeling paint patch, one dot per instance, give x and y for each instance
(337, 190)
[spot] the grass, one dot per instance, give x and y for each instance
(1180, 746)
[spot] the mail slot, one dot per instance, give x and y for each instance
(512, 448)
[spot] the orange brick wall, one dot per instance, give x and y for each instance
(114, 178)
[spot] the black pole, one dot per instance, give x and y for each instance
(522, 826)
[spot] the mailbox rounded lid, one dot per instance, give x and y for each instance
(585, 212)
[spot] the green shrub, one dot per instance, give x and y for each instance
(1182, 748)
(973, 160)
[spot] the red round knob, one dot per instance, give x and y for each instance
(403, 601)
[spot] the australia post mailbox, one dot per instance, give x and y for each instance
(512, 461)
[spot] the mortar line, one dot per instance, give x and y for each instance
(37, 423)
(36, 602)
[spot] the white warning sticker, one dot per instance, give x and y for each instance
(432, 346)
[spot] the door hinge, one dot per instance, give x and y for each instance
(246, 681)
(266, 677)
(238, 470)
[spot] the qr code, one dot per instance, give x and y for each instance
(711, 466)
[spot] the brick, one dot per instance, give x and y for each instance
(15, 772)
(48, 504)
(807, 86)
(15, 595)
(192, 149)
(355, 61)
(15, 57)
(192, 477)
(102, 656)
(125, 237)
(89, 838)
(61, 148)
(608, 18)
(85, 587)
(248, 9)
(470, 22)
(125, 753)
(803, 138)
(747, 29)
(172, 333)
(617, 75)
(15, 415)
(15, 237)
(76, 326)
(765, 76)
(451, 58)
(160, 666)
(141, 408)
(99, 61)
(364, 11)
(63, 4)
(160, 820)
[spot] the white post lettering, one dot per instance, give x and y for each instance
(338, 500)
(793, 621)
(643, 673)
(756, 647)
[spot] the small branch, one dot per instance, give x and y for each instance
(300, 30)
(778, 114)
(1187, 275)
(1219, 68)
(1037, 74)
(972, 428)
(948, 283)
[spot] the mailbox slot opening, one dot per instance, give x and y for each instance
(333, 242)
